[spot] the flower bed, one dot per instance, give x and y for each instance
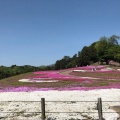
(64, 80)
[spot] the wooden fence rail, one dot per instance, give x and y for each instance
(99, 108)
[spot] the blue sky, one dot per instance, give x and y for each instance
(39, 32)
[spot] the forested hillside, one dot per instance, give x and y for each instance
(15, 70)
(104, 50)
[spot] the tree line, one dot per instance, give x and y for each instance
(104, 50)
(16, 70)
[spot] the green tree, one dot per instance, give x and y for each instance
(113, 40)
(84, 57)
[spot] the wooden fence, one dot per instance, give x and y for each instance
(99, 108)
(43, 110)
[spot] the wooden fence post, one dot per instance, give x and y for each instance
(99, 108)
(42, 108)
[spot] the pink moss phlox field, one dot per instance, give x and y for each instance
(87, 68)
(57, 75)
(31, 89)
(24, 89)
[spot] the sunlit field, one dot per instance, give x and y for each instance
(79, 78)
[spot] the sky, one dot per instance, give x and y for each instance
(40, 32)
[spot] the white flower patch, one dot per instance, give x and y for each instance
(34, 80)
